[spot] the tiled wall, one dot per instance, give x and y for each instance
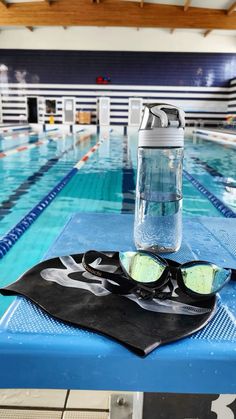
(232, 98)
(197, 82)
(125, 68)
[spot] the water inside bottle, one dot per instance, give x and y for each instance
(158, 222)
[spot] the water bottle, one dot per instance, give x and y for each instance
(158, 205)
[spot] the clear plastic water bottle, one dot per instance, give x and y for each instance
(158, 206)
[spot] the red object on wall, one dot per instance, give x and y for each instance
(103, 79)
(99, 80)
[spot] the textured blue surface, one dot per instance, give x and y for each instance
(51, 354)
(206, 238)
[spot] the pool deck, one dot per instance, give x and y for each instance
(217, 135)
(47, 353)
(222, 130)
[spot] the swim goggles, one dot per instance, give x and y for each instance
(147, 275)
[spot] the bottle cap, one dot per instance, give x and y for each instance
(162, 126)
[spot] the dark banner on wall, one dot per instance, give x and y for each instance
(131, 68)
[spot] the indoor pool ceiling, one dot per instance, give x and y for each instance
(173, 14)
(211, 4)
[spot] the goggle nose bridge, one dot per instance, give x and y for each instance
(144, 292)
(173, 272)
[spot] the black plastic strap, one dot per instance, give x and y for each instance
(121, 284)
(233, 274)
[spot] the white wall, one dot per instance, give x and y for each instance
(202, 103)
(118, 39)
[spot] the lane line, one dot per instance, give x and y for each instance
(218, 204)
(8, 204)
(10, 238)
(222, 180)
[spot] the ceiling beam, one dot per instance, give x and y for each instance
(207, 33)
(3, 3)
(114, 13)
(231, 9)
(186, 5)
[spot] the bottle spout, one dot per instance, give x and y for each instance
(161, 115)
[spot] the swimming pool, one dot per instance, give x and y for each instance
(105, 183)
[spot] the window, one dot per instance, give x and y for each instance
(51, 106)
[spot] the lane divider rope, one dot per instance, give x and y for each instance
(22, 148)
(15, 128)
(8, 204)
(4, 153)
(220, 135)
(22, 226)
(218, 204)
(16, 135)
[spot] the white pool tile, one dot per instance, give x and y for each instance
(85, 415)
(29, 414)
(32, 398)
(80, 399)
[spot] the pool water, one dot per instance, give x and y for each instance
(105, 183)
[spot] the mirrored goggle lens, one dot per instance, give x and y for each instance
(205, 278)
(142, 267)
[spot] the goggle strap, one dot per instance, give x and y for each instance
(122, 289)
(233, 274)
(121, 284)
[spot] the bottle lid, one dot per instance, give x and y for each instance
(162, 126)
